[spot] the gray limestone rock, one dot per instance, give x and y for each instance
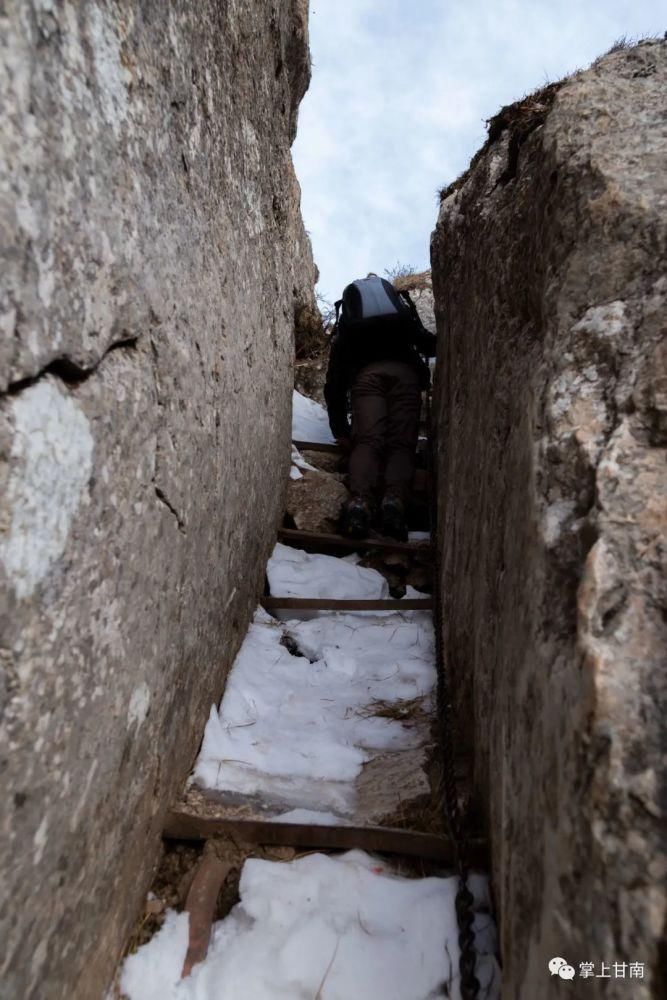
(549, 276)
(152, 261)
(315, 500)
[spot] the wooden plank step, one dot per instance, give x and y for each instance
(330, 604)
(332, 449)
(181, 824)
(294, 535)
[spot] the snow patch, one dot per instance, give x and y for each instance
(52, 460)
(311, 816)
(294, 573)
(154, 971)
(309, 420)
(297, 730)
(332, 927)
(300, 461)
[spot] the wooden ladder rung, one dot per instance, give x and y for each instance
(333, 449)
(340, 541)
(330, 604)
(184, 825)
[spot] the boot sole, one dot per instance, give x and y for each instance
(394, 527)
(357, 526)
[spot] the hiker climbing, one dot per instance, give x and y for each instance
(377, 369)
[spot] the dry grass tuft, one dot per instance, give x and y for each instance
(423, 814)
(309, 333)
(520, 119)
(404, 710)
(416, 281)
(524, 116)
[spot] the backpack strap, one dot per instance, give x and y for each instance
(405, 295)
(337, 306)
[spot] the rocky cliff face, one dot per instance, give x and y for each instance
(549, 278)
(153, 257)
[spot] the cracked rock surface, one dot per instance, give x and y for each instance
(550, 295)
(152, 260)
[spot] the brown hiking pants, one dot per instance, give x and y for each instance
(386, 399)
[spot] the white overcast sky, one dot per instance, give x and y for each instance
(397, 104)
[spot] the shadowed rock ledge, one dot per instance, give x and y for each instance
(550, 292)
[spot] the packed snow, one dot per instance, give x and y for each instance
(299, 463)
(294, 573)
(299, 460)
(309, 420)
(334, 928)
(296, 730)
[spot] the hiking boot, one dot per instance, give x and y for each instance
(392, 518)
(356, 517)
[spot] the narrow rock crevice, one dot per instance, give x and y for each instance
(160, 494)
(67, 370)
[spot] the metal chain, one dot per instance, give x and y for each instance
(465, 913)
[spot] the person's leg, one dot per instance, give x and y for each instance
(403, 406)
(369, 429)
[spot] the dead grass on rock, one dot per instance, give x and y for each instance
(309, 333)
(415, 282)
(519, 119)
(403, 710)
(423, 815)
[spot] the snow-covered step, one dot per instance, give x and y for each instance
(336, 928)
(203, 814)
(312, 539)
(322, 446)
(331, 714)
(331, 604)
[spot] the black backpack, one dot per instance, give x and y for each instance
(369, 305)
(374, 321)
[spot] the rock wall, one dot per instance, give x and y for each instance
(549, 278)
(152, 260)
